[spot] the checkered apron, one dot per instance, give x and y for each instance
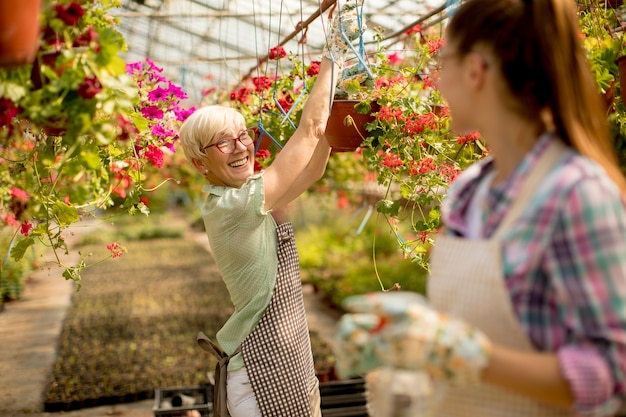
(467, 281)
(277, 354)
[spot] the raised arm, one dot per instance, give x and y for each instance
(288, 177)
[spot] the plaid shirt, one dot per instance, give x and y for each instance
(565, 267)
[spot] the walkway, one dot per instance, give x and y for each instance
(29, 329)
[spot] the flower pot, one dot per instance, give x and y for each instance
(345, 130)
(19, 31)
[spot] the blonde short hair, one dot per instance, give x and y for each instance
(204, 125)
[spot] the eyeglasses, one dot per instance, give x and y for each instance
(227, 146)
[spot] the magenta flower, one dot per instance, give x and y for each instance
(183, 114)
(134, 67)
(158, 94)
(152, 112)
(153, 66)
(176, 91)
(160, 131)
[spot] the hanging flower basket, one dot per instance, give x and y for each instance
(345, 130)
(19, 31)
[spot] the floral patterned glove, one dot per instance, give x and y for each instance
(400, 330)
(346, 20)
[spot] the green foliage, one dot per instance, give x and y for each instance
(13, 274)
(340, 262)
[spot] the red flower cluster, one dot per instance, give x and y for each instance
(434, 45)
(415, 29)
(8, 110)
(390, 160)
(70, 14)
(241, 95)
(89, 87)
(469, 137)
(277, 52)
(313, 69)
(262, 83)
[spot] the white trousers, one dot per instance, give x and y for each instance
(242, 402)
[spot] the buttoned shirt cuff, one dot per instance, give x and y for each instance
(590, 380)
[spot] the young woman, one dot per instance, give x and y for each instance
(532, 263)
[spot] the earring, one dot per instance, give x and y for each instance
(206, 170)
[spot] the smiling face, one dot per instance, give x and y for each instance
(231, 169)
(210, 125)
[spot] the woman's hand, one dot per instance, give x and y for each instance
(400, 330)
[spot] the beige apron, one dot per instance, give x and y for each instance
(467, 281)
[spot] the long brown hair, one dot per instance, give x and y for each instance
(544, 66)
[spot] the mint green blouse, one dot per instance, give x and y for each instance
(242, 236)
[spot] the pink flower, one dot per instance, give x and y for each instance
(183, 114)
(394, 58)
(10, 220)
(134, 67)
(116, 249)
(19, 194)
(176, 91)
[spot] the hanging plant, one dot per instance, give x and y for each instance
(79, 134)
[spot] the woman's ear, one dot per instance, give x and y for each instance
(200, 166)
(475, 68)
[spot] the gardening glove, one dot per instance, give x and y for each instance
(400, 330)
(346, 20)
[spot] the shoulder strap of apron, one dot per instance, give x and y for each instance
(221, 373)
(546, 161)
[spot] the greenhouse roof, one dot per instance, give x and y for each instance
(216, 43)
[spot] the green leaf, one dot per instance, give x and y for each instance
(392, 208)
(19, 249)
(65, 214)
